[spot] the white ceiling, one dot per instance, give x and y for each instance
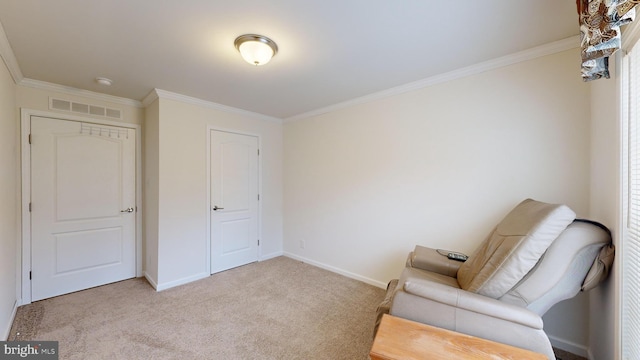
(330, 51)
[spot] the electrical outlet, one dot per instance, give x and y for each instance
(302, 244)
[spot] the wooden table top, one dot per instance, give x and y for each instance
(408, 340)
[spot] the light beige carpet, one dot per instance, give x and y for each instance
(276, 309)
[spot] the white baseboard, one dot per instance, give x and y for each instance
(159, 287)
(151, 280)
(271, 256)
(336, 270)
(569, 346)
(188, 279)
(7, 330)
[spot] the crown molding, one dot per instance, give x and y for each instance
(530, 54)
(43, 85)
(151, 97)
(168, 95)
(9, 58)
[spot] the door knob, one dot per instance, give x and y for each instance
(127, 210)
(215, 208)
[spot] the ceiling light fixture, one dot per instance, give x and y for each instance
(256, 49)
(104, 81)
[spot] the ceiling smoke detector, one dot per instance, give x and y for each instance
(104, 81)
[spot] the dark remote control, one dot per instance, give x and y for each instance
(457, 257)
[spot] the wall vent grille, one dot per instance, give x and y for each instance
(86, 109)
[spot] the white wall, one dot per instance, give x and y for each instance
(567, 324)
(365, 184)
(605, 207)
(150, 191)
(9, 195)
(182, 190)
(438, 167)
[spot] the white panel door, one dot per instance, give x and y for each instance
(234, 200)
(83, 206)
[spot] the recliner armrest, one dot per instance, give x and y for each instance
(430, 260)
(469, 301)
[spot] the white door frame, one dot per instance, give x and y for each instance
(210, 205)
(24, 247)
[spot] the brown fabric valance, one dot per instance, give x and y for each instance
(600, 22)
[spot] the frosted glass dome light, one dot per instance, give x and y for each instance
(256, 49)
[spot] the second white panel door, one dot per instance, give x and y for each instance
(234, 200)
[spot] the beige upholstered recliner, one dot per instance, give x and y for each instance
(538, 255)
